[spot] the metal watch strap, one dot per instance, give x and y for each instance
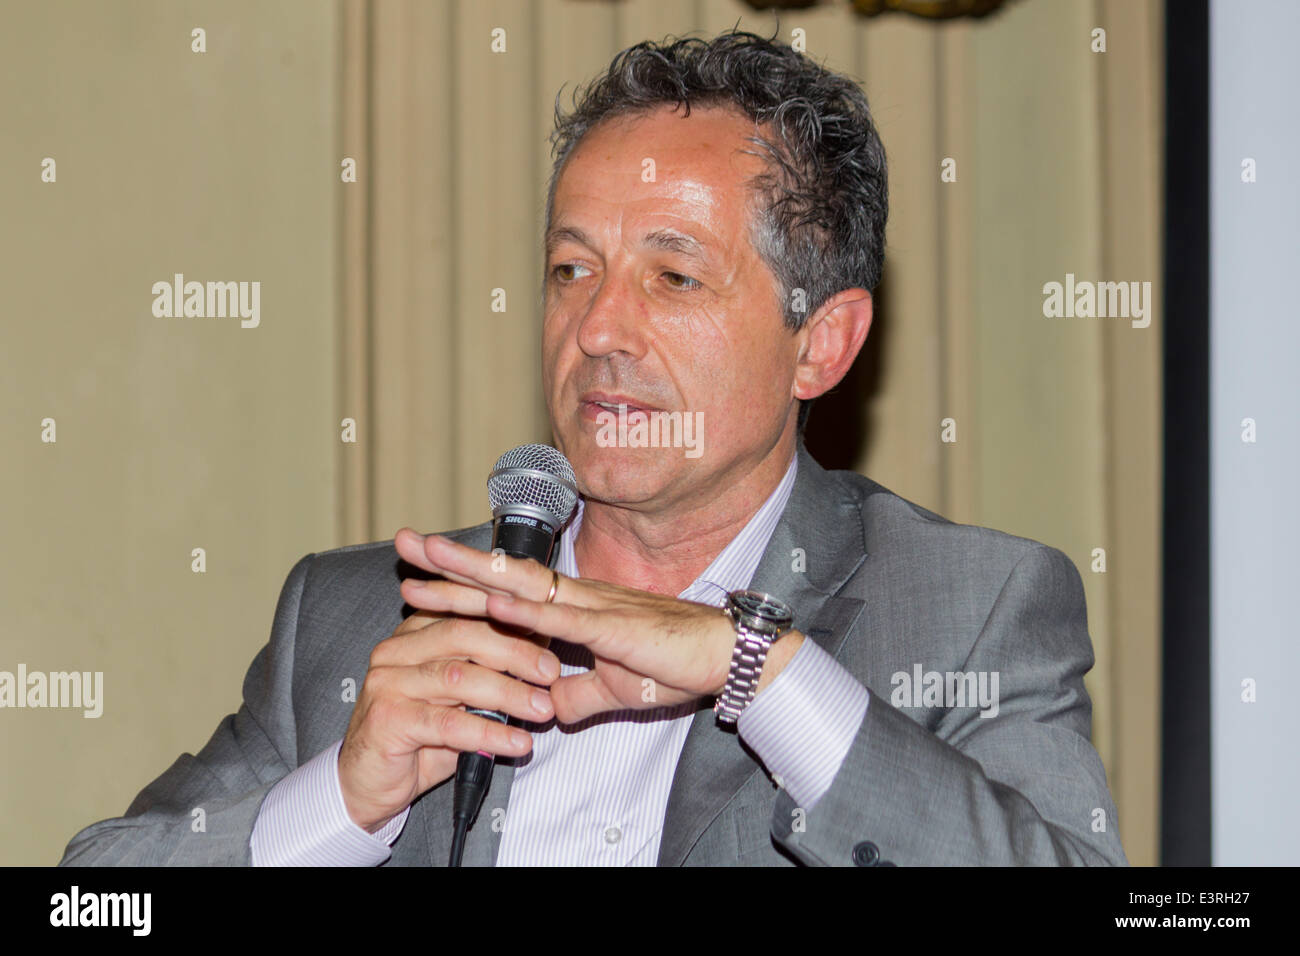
(747, 659)
(758, 619)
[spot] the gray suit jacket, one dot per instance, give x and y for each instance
(883, 585)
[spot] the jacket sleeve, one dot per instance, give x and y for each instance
(1022, 787)
(227, 780)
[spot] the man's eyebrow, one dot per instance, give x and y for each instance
(559, 234)
(669, 240)
(672, 241)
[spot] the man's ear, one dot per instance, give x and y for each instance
(830, 341)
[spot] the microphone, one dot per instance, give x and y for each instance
(533, 493)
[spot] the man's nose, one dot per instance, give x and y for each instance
(614, 320)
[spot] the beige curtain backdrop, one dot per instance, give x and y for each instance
(377, 306)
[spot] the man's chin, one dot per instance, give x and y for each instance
(620, 474)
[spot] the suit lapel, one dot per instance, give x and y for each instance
(825, 522)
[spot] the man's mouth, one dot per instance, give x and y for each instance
(593, 405)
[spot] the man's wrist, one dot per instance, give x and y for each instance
(378, 828)
(726, 644)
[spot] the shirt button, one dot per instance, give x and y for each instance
(613, 835)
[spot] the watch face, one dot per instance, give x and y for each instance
(764, 606)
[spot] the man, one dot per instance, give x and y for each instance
(733, 284)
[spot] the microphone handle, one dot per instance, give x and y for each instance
(519, 536)
(523, 536)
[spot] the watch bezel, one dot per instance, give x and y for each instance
(758, 610)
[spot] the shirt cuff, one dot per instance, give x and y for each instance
(804, 723)
(304, 821)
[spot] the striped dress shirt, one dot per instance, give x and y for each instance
(595, 793)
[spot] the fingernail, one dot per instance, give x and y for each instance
(549, 665)
(541, 702)
(519, 738)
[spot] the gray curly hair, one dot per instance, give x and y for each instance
(820, 209)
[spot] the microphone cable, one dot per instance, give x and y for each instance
(473, 775)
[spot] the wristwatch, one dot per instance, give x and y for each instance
(759, 619)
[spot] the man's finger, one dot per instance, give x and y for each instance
(579, 696)
(445, 597)
(417, 620)
(409, 544)
(497, 572)
(471, 640)
(568, 622)
(467, 566)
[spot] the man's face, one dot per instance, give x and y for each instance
(655, 298)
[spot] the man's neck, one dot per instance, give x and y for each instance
(665, 552)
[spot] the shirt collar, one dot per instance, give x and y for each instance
(734, 566)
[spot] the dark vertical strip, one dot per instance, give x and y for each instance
(1185, 704)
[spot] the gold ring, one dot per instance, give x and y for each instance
(555, 583)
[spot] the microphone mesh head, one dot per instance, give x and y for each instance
(536, 478)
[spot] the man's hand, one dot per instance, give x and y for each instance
(683, 649)
(409, 724)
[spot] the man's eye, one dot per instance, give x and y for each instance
(565, 272)
(679, 281)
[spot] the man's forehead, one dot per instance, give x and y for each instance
(712, 149)
(674, 181)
